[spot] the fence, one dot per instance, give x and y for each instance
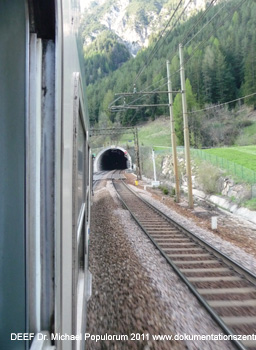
(167, 150)
(233, 168)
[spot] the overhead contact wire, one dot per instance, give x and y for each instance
(222, 104)
(137, 99)
(190, 30)
(154, 50)
(206, 24)
(203, 42)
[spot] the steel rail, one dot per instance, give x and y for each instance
(240, 269)
(232, 263)
(102, 172)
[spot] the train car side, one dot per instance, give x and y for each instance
(45, 163)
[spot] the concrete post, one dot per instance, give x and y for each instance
(173, 135)
(186, 131)
(154, 164)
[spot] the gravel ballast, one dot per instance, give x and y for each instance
(135, 290)
(123, 300)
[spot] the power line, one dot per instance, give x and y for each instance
(199, 31)
(230, 12)
(118, 98)
(185, 35)
(199, 19)
(158, 71)
(140, 106)
(203, 42)
(173, 26)
(188, 32)
(152, 54)
(153, 91)
(143, 93)
(213, 1)
(165, 83)
(137, 99)
(161, 35)
(222, 104)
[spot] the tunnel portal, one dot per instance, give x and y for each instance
(112, 158)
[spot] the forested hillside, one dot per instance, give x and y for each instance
(220, 66)
(115, 30)
(103, 56)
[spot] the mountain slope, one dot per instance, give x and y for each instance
(115, 30)
(220, 67)
(133, 21)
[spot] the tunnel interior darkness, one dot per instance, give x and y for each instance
(113, 159)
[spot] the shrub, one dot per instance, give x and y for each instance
(251, 204)
(173, 192)
(208, 176)
(164, 189)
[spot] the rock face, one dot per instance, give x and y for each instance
(132, 21)
(125, 27)
(236, 191)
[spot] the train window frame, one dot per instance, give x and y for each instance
(78, 115)
(79, 213)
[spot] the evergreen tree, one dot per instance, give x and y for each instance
(249, 86)
(178, 114)
(208, 74)
(108, 98)
(178, 119)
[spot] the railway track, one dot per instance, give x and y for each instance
(105, 175)
(97, 177)
(225, 288)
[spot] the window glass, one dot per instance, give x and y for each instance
(80, 166)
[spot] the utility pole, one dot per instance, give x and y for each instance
(137, 153)
(186, 131)
(173, 134)
(154, 163)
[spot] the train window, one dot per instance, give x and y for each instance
(80, 166)
(80, 205)
(81, 248)
(88, 165)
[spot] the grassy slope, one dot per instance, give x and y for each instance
(247, 136)
(245, 155)
(154, 133)
(157, 133)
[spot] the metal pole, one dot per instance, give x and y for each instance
(154, 164)
(173, 135)
(138, 153)
(136, 146)
(186, 131)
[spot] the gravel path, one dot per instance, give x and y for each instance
(134, 289)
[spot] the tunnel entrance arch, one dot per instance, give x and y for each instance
(121, 131)
(111, 158)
